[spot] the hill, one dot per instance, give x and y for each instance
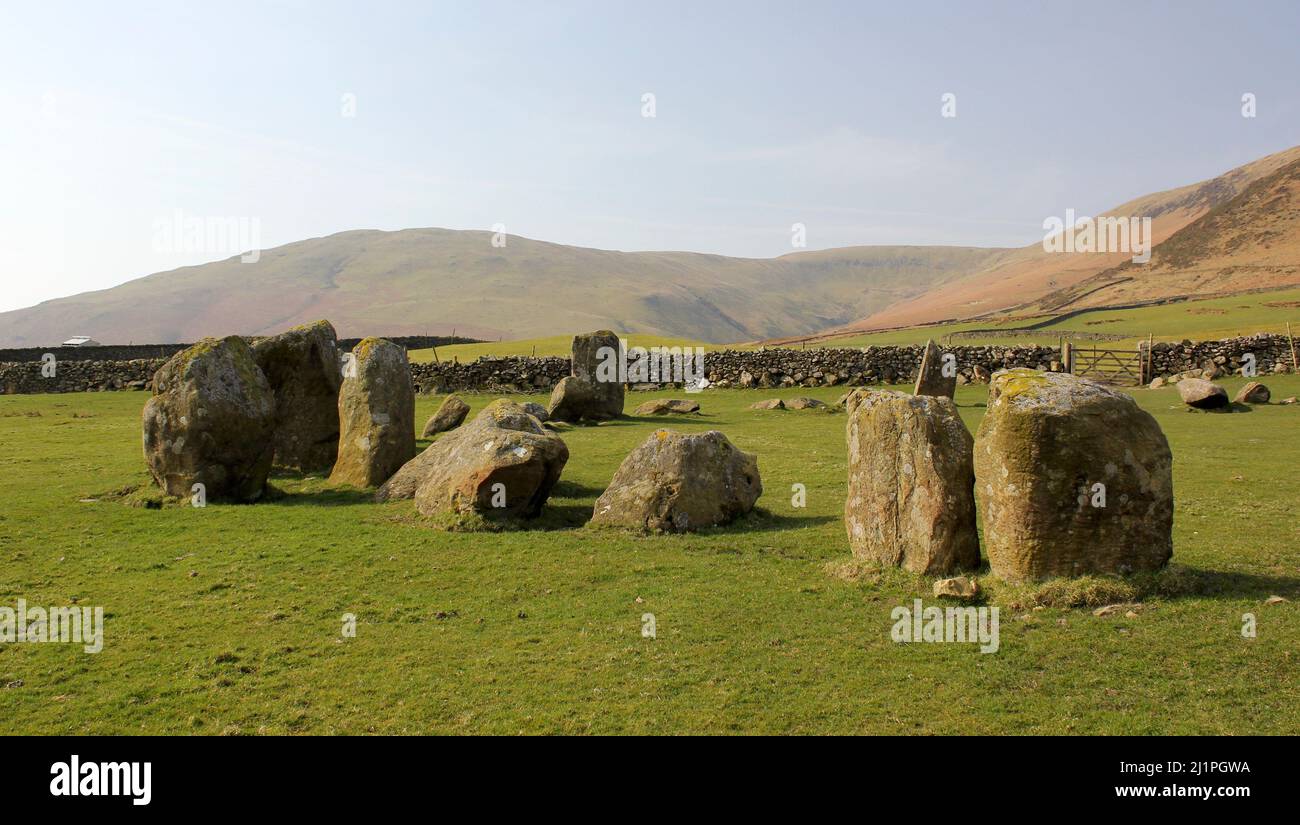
(434, 281)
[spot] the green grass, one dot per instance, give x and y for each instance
(540, 347)
(1205, 320)
(227, 619)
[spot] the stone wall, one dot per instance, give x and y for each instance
(1269, 351)
(763, 368)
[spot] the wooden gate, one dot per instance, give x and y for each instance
(1114, 366)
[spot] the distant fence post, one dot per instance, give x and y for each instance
(1067, 357)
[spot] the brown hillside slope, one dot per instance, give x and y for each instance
(1250, 242)
(1014, 282)
(432, 281)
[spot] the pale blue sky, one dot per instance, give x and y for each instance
(113, 115)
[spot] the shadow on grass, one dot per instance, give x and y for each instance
(1172, 583)
(765, 521)
(327, 497)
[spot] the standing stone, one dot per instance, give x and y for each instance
(211, 421)
(931, 380)
(302, 367)
(911, 500)
(1202, 394)
(1073, 478)
(451, 413)
(1253, 393)
(376, 415)
(572, 400)
(595, 359)
(677, 483)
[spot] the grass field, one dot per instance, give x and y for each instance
(227, 619)
(1205, 320)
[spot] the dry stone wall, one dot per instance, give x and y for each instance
(759, 369)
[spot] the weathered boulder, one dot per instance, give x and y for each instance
(1202, 394)
(803, 403)
(500, 464)
(931, 380)
(302, 367)
(451, 412)
(595, 359)
(573, 400)
(911, 500)
(1156, 383)
(668, 406)
(536, 411)
(676, 482)
(376, 415)
(477, 434)
(770, 404)
(958, 587)
(1253, 393)
(1073, 478)
(211, 421)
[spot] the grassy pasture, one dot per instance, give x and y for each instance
(227, 619)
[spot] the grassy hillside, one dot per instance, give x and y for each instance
(540, 347)
(227, 619)
(436, 281)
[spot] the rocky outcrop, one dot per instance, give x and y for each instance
(676, 482)
(1072, 478)
(911, 500)
(302, 367)
(450, 415)
(376, 415)
(211, 421)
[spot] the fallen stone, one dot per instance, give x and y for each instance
(502, 465)
(451, 413)
(668, 406)
(802, 403)
(770, 404)
(959, 587)
(678, 482)
(1253, 393)
(1201, 394)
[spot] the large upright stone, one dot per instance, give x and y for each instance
(677, 482)
(1073, 478)
(376, 414)
(590, 352)
(931, 380)
(211, 421)
(911, 500)
(302, 366)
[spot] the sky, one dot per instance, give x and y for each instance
(300, 119)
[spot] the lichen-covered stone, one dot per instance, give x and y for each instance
(678, 482)
(211, 421)
(450, 415)
(1046, 441)
(1253, 393)
(376, 415)
(911, 500)
(500, 464)
(593, 391)
(302, 367)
